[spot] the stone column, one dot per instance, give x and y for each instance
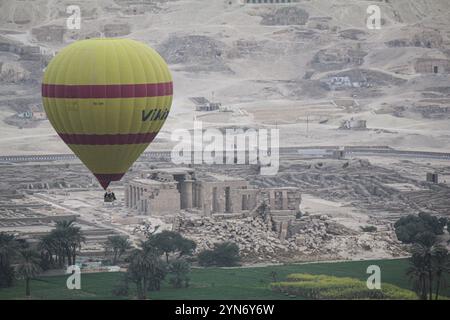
(131, 196)
(200, 197)
(186, 194)
(272, 199)
(284, 200)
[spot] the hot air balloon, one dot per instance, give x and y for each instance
(107, 99)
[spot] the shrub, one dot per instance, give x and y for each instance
(419, 229)
(180, 270)
(225, 254)
(369, 229)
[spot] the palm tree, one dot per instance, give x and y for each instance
(441, 266)
(145, 270)
(118, 245)
(48, 247)
(428, 265)
(417, 272)
(69, 238)
(28, 267)
(138, 272)
(8, 249)
(75, 239)
(8, 245)
(424, 253)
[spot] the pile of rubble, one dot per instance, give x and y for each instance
(422, 39)
(337, 59)
(13, 72)
(309, 238)
(197, 52)
(255, 238)
(322, 237)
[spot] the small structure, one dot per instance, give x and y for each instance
(269, 1)
(24, 51)
(203, 104)
(116, 29)
(50, 33)
(432, 177)
(434, 66)
(347, 103)
(338, 154)
(353, 124)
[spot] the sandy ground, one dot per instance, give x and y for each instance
(339, 212)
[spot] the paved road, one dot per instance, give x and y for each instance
(289, 151)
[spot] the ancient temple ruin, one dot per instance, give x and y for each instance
(167, 191)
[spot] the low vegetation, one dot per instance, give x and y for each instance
(368, 229)
(329, 287)
(210, 283)
(225, 254)
(161, 268)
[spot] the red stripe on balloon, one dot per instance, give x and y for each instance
(107, 91)
(106, 178)
(107, 139)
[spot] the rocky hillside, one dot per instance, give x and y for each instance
(305, 51)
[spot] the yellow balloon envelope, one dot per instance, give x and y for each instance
(107, 99)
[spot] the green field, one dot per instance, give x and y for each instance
(212, 283)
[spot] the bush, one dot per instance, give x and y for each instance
(328, 287)
(369, 229)
(223, 255)
(180, 270)
(171, 242)
(420, 228)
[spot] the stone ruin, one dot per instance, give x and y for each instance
(309, 237)
(168, 191)
(13, 72)
(353, 124)
(24, 51)
(116, 29)
(423, 39)
(49, 33)
(285, 16)
(431, 65)
(197, 52)
(337, 59)
(265, 222)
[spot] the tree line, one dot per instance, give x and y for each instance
(20, 259)
(162, 256)
(167, 256)
(430, 259)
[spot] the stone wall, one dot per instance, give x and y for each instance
(116, 30)
(152, 198)
(50, 33)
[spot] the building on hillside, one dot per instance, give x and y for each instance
(433, 66)
(203, 104)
